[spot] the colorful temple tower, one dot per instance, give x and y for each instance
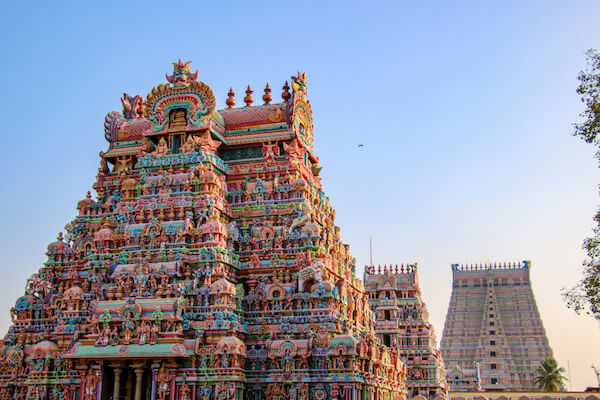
(493, 325)
(402, 322)
(207, 267)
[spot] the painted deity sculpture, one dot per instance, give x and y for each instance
(207, 266)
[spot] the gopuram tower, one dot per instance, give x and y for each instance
(402, 322)
(207, 266)
(493, 327)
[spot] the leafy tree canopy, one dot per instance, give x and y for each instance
(586, 294)
(589, 90)
(549, 376)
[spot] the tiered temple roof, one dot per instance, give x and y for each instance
(207, 266)
(402, 322)
(493, 325)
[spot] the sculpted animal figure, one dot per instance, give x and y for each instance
(133, 106)
(304, 217)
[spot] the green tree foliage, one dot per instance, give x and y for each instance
(586, 294)
(589, 89)
(549, 376)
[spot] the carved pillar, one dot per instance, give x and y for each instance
(117, 385)
(154, 372)
(99, 384)
(139, 373)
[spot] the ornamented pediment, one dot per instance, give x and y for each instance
(184, 104)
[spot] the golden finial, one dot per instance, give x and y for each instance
(248, 99)
(286, 95)
(230, 100)
(60, 237)
(267, 96)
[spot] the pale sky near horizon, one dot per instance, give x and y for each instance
(465, 110)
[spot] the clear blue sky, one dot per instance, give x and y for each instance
(464, 110)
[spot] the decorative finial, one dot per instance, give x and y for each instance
(59, 237)
(267, 96)
(181, 74)
(299, 82)
(286, 95)
(248, 99)
(230, 100)
(88, 195)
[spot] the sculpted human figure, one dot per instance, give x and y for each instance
(128, 330)
(335, 392)
(270, 150)
(198, 342)
(162, 379)
(114, 336)
(94, 325)
(154, 332)
(287, 360)
(206, 392)
(66, 392)
(162, 148)
(230, 391)
(189, 146)
(144, 332)
(184, 392)
(321, 338)
(104, 337)
(90, 384)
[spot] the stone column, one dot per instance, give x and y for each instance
(139, 373)
(99, 384)
(117, 385)
(154, 372)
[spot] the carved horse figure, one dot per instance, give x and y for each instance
(303, 218)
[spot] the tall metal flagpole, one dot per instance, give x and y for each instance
(370, 252)
(569, 368)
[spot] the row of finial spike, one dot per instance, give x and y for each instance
(481, 267)
(396, 269)
(267, 97)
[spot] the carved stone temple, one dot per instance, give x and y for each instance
(207, 266)
(402, 322)
(493, 337)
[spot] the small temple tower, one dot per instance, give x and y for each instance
(207, 266)
(402, 322)
(493, 327)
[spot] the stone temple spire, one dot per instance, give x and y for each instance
(493, 325)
